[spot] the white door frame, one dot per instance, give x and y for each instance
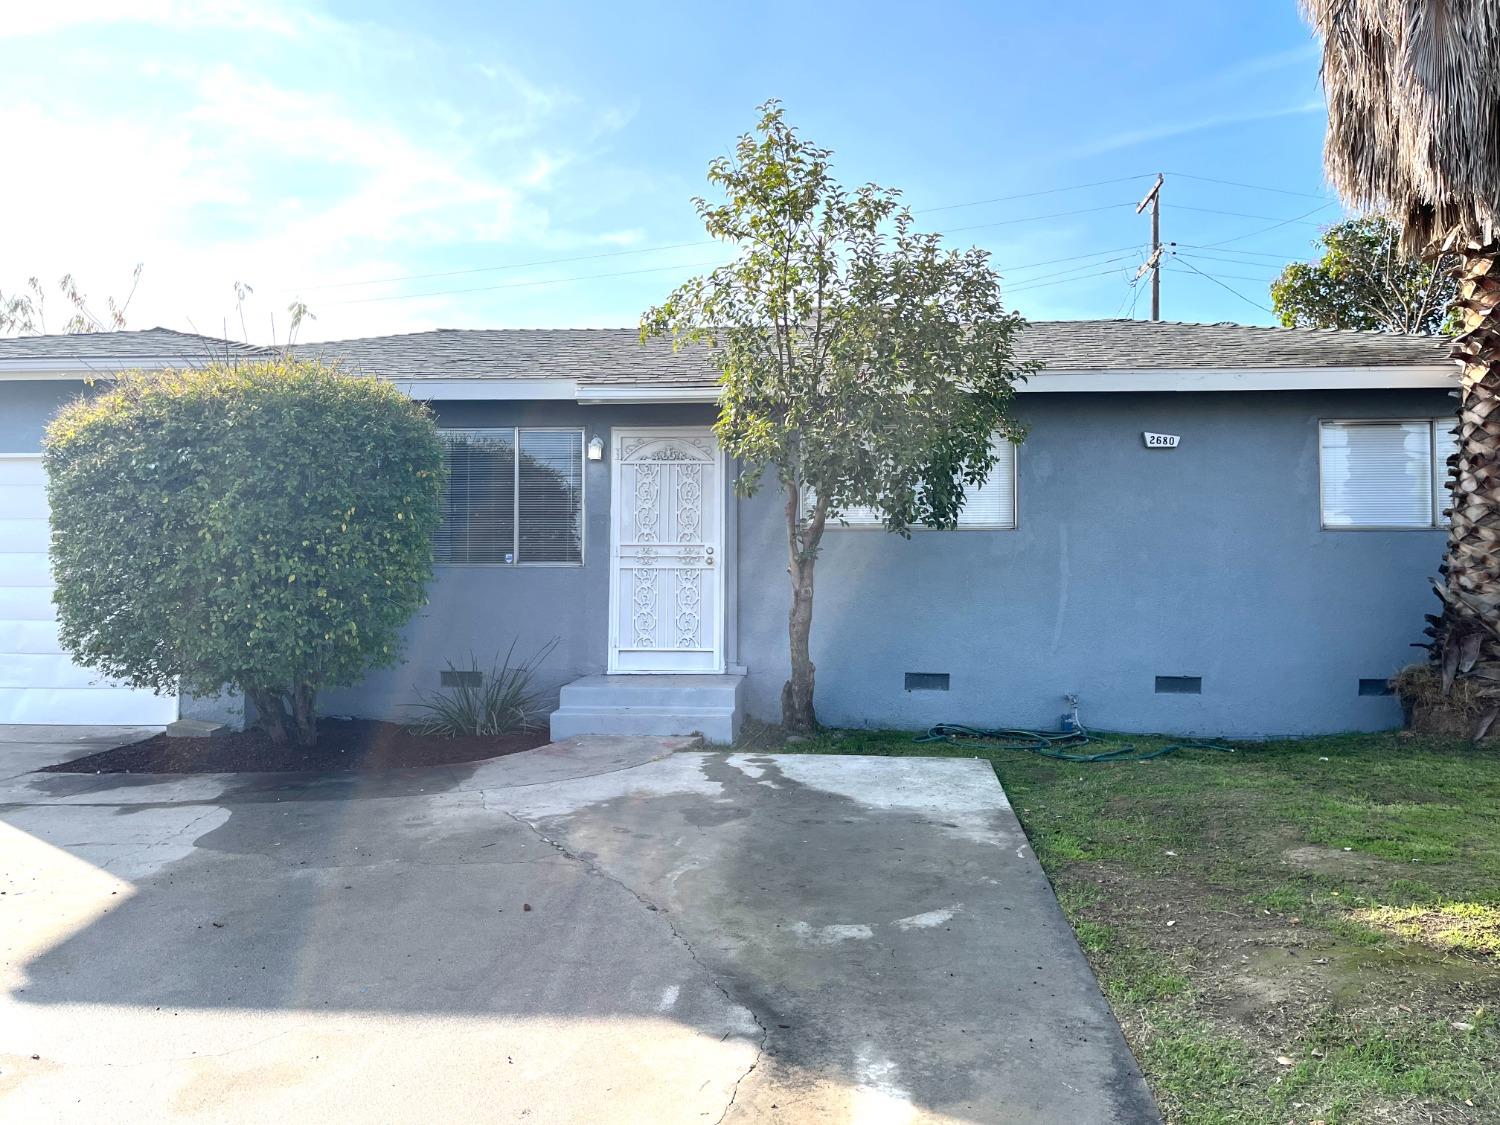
(617, 434)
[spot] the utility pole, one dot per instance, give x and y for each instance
(1153, 263)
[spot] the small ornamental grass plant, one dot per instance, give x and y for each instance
(480, 703)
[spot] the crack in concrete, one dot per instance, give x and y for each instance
(150, 846)
(713, 977)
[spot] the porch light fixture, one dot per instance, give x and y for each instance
(596, 448)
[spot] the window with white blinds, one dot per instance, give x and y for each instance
(514, 498)
(1385, 474)
(991, 506)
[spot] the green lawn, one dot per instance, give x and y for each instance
(1299, 931)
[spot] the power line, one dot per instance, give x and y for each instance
(1227, 288)
(1288, 256)
(1033, 218)
(1235, 276)
(1066, 280)
(523, 284)
(508, 266)
(633, 273)
(706, 242)
(1069, 258)
(1028, 194)
(1267, 230)
(1239, 214)
(1153, 263)
(1211, 257)
(1240, 184)
(1028, 282)
(688, 245)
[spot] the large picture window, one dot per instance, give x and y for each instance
(991, 506)
(1385, 474)
(514, 498)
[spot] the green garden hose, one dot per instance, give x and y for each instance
(1060, 745)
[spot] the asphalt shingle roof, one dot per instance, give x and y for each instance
(616, 355)
(589, 355)
(145, 343)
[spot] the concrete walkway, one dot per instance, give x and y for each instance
(601, 931)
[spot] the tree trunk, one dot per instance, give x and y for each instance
(304, 714)
(797, 714)
(270, 714)
(1466, 637)
(300, 727)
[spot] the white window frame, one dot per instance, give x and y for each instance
(836, 523)
(1440, 498)
(515, 433)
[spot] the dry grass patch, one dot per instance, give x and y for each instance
(1453, 927)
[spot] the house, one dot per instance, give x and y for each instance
(1259, 570)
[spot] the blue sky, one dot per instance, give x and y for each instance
(543, 157)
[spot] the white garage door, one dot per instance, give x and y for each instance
(38, 682)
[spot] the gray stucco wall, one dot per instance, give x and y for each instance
(482, 609)
(26, 406)
(1127, 564)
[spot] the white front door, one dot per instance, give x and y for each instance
(666, 555)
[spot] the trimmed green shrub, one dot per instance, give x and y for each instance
(265, 526)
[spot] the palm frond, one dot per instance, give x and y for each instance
(1413, 89)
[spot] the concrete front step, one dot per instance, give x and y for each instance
(664, 706)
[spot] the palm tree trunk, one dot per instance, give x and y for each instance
(1466, 637)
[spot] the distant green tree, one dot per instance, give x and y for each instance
(263, 525)
(862, 362)
(1365, 281)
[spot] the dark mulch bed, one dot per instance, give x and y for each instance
(343, 744)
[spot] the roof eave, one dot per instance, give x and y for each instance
(68, 370)
(1442, 376)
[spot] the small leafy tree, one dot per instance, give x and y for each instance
(862, 363)
(1365, 281)
(266, 526)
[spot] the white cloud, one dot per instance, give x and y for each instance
(234, 173)
(231, 15)
(1128, 138)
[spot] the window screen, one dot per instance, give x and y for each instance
(992, 505)
(1385, 474)
(551, 497)
(513, 497)
(479, 507)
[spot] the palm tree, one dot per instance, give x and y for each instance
(1413, 89)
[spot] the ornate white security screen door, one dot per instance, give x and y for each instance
(666, 552)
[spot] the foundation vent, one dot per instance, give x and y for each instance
(1179, 685)
(457, 677)
(1381, 686)
(927, 681)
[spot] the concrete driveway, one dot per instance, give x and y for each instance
(602, 931)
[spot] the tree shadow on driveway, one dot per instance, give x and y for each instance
(865, 933)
